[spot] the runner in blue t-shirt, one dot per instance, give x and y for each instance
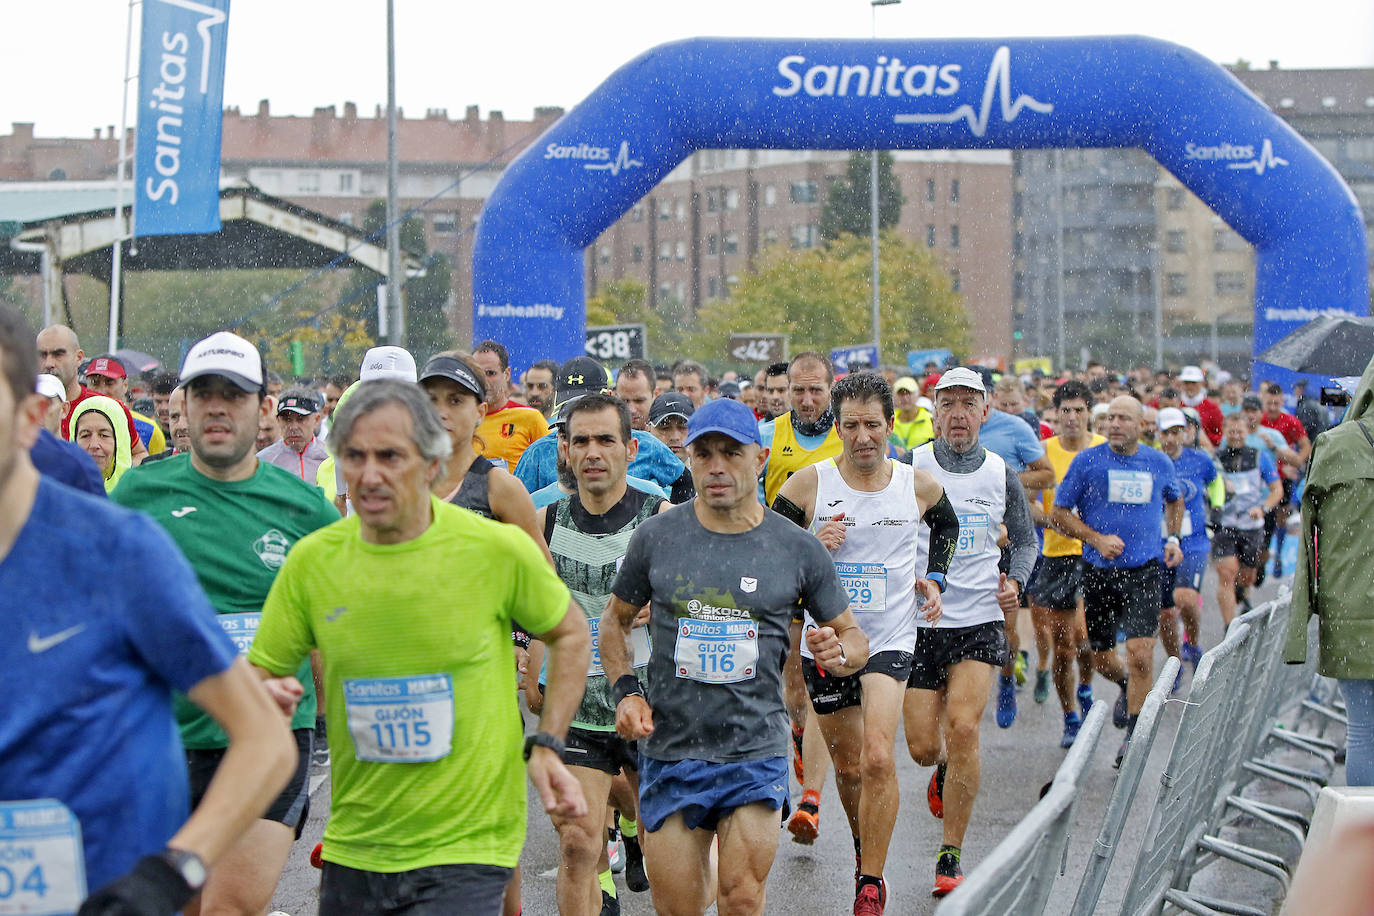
(1181, 596)
(1120, 490)
(92, 779)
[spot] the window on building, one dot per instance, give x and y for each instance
(346, 218)
(308, 182)
(445, 223)
(1018, 285)
(712, 287)
(770, 236)
(603, 254)
(637, 254)
(731, 244)
(930, 190)
(680, 251)
(804, 236)
(268, 180)
(712, 245)
(1175, 198)
(731, 199)
(803, 192)
(770, 196)
(1176, 284)
(345, 182)
(1176, 240)
(665, 212)
(665, 251)
(679, 209)
(930, 235)
(637, 213)
(954, 236)
(665, 290)
(954, 280)
(711, 205)
(954, 191)
(1230, 283)
(1225, 239)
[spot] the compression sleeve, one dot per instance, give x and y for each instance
(789, 510)
(944, 534)
(1020, 530)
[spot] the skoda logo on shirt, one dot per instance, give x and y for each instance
(271, 549)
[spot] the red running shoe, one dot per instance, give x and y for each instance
(935, 792)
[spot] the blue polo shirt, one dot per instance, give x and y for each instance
(1122, 495)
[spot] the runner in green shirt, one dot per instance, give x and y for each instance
(234, 519)
(410, 602)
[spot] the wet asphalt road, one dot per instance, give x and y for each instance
(819, 879)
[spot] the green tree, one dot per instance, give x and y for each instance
(820, 297)
(848, 204)
(627, 302)
(426, 297)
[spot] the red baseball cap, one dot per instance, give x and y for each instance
(106, 366)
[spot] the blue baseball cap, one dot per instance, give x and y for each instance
(727, 417)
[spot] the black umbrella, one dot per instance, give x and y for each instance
(136, 362)
(1327, 346)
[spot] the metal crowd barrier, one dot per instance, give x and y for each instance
(1017, 876)
(1127, 781)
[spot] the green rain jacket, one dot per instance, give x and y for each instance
(1335, 575)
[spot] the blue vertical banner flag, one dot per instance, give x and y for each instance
(180, 96)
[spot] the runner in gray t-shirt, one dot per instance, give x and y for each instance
(723, 577)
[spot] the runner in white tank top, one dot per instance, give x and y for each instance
(867, 510)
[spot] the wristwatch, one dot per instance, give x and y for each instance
(627, 685)
(186, 864)
(1172, 539)
(543, 739)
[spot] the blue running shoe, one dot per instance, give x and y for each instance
(1006, 701)
(1085, 698)
(1071, 726)
(1121, 715)
(1042, 686)
(1178, 679)
(1190, 654)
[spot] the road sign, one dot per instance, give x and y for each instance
(757, 348)
(917, 359)
(844, 357)
(616, 342)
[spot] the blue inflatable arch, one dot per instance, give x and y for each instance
(1196, 119)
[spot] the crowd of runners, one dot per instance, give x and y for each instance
(704, 595)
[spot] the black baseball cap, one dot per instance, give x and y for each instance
(299, 405)
(1251, 402)
(670, 404)
(730, 390)
(578, 376)
(456, 371)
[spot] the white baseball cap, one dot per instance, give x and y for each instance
(1169, 417)
(388, 362)
(227, 354)
(1191, 374)
(50, 386)
(961, 377)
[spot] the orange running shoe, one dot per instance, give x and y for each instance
(805, 824)
(797, 735)
(935, 792)
(948, 874)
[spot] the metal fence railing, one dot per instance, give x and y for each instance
(1018, 875)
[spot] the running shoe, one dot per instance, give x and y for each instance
(797, 735)
(935, 792)
(805, 824)
(1121, 753)
(1042, 686)
(1190, 654)
(1278, 568)
(1085, 698)
(1121, 715)
(320, 756)
(1006, 701)
(1019, 667)
(871, 899)
(636, 878)
(317, 856)
(615, 853)
(948, 874)
(610, 906)
(1071, 726)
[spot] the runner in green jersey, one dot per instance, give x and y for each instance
(410, 602)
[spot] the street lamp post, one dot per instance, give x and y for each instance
(396, 327)
(873, 214)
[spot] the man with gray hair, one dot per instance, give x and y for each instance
(298, 451)
(370, 592)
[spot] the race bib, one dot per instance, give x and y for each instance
(400, 719)
(1240, 483)
(42, 868)
(716, 651)
(639, 646)
(866, 584)
(973, 533)
(1132, 487)
(1183, 532)
(241, 628)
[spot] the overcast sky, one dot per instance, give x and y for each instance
(64, 59)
